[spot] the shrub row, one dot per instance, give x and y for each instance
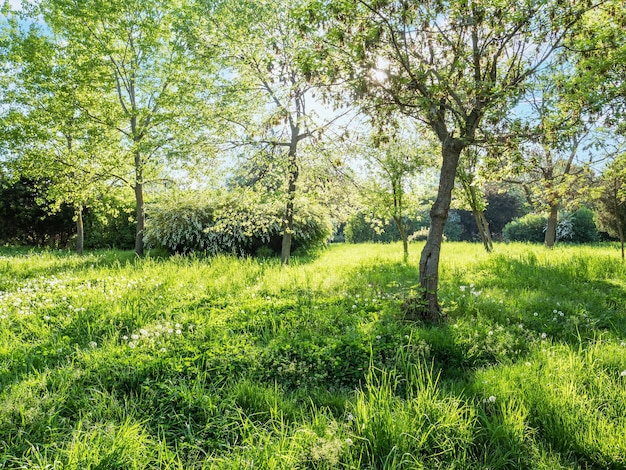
(242, 223)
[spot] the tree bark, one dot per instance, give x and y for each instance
(550, 237)
(80, 230)
(405, 241)
(140, 212)
(428, 308)
(141, 219)
(483, 230)
(293, 173)
(479, 214)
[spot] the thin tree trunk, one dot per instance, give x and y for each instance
(487, 230)
(80, 230)
(140, 211)
(479, 214)
(293, 173)
(405, 241)
(483, 230)
(620, 232)
(550, 237)
(429, 260)
(141, 218)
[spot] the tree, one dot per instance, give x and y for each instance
(48, 137)
(152, 90)
(467, 175)
(611, 212)
(554, 159)
(452, 65)
(597, 55)
(393, 159)
(268, 62)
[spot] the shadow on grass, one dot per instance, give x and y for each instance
(39, 262)
(574, 300)
(519, 303)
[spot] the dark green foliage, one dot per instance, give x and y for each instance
(584, 227)
(453, 229)
(27, 219)
(529, 228)
(501, 209)
(114, 229)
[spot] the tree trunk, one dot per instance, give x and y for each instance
(141, 218)
(293, 173)
(428, 308)
(550, 236)
(80, 230)
(483, 230)
(620, 232)
(140, 212)
(479, 213)
(405, 241)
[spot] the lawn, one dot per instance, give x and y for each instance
(110, 361)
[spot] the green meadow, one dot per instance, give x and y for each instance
(108, 361)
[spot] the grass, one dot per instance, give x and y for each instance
(108, 361)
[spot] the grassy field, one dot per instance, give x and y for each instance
(108, 361)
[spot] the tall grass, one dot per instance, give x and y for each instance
(111, 361)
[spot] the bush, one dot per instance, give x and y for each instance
(576, 227)
(113, 227)
(240, 222)
(26, 218)
(584, 227)
(529, 228)
(453, 228)
(361, 228)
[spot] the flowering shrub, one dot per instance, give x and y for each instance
(236, 222)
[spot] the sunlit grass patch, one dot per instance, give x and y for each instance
(225, 362)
